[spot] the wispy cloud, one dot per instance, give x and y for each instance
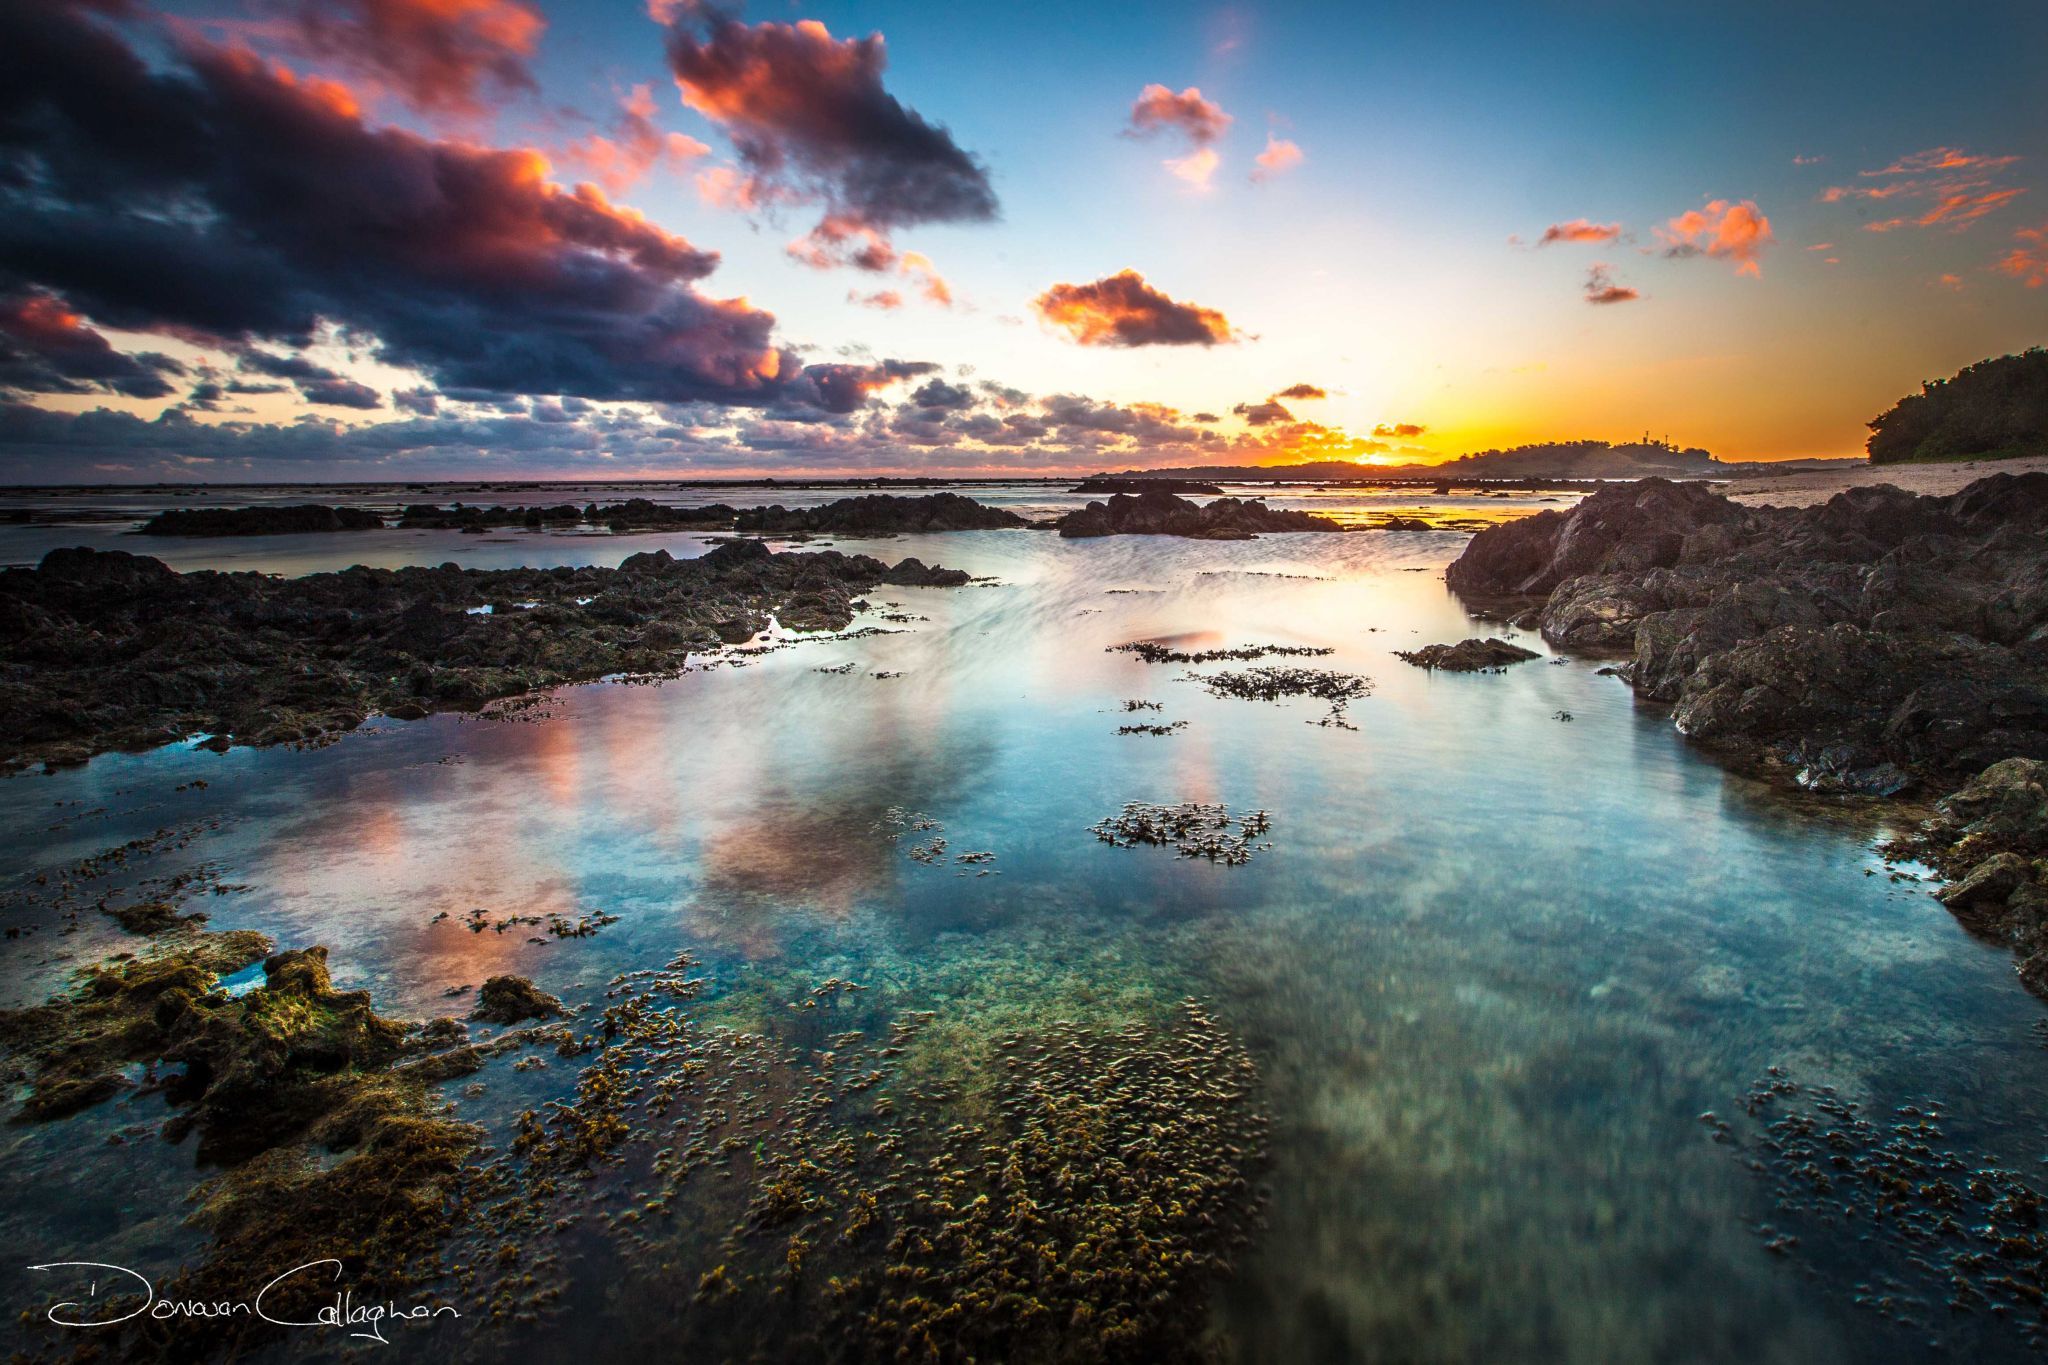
(2027, 262)
(1601, 288)
(1579, 230)
(1961, 188)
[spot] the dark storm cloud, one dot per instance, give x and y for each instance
(810, 119)
(47, 348)
(228, 201)
(937, 393)
(845, 387)
(437, 55)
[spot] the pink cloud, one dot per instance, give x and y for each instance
(1158, 109)
(1280, 156)
(1197, 168)
(2028, 261)
(1579, 230)
(1942, 159)
(1726, 231)
(634, 147)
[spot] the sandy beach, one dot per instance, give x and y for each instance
(1803, 490)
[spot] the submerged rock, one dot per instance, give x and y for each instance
(1467, 656)
(1162, 514)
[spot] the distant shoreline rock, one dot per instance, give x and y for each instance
(1106, 483)
(1163, 514)
(297, 519)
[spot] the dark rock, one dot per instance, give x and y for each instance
(881, 514)
(1876, 643)
(1467, 656)
(1109, 483)
(510, 999)
(259, 521)
(104, 650)
(912, 573)
(1162, 514)
(1628, 528)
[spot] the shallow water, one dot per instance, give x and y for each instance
(1493, 968)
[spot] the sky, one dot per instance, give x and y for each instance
(426, 239)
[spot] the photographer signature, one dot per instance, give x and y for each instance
(364, 1320)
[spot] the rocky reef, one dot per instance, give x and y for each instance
(1989, 841)
(108, 650)
(318, 1108)
(877, 514)
(881, 514)
(1878, 644)
(1110, 483)
(1467, 656)
(1162, 514)
(1871, 644)
(259, 521)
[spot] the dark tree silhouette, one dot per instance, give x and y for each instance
(1994, 410)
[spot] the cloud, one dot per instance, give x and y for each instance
(1723, 230)
(1158, 110)
(339, 392)
(1300, 391)
(1961, 208)
(315, 383)
(937, 393)
(1579, 230)
(1962, 188)
(811, 123)
(845, 388)
(1400, 429)
(1123, 310)
(1263, 414)
(422, 401)
(464, 262)
(1196, 168)
(1808, 160)
(887, 300)
(1942, 159)
(47, 348)
(1601, 288)
(437, 55)
(1280, 156)
(2027, 262)
(634, 147)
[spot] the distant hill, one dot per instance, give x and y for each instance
(1995, 409)
(1546, 460)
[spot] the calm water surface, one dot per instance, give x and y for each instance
(1494, 966)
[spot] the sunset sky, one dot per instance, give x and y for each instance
(379, 239)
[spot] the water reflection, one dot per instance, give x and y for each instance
(1493, 968)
